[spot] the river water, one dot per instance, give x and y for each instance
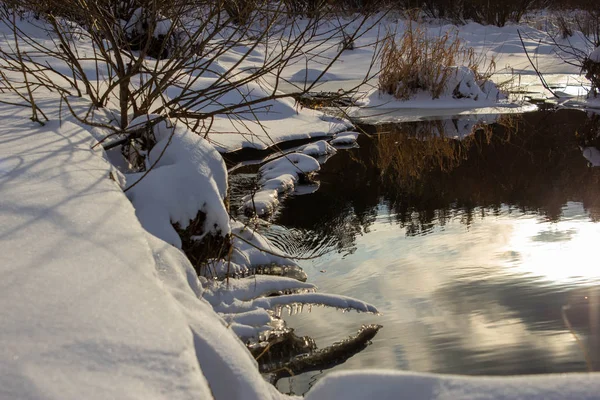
(478, 244)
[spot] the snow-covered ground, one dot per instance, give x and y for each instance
(97, 300)
(92, 305)
(509, 47)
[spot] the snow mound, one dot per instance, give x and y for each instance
(94, 307)
(279, 176)
(311, 75)
(281, 184)
(462, 89)
(464, 85)
(320, 148)
(295, 164)
(345, 138)
(140, 21)
(414, 386)
(185, 175)
(263, 202)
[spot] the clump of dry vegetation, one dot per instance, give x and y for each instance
(591, 68)
(419, 62)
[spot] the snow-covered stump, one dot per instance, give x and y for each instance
(180, 197)
(201, 246)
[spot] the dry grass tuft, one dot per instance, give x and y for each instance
(419, 62)
(592, 72)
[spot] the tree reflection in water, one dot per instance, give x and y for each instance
(424, 175)
(453, 302)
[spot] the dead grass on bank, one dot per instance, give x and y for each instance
(420, 62)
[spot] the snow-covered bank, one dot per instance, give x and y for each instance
(378, 116)
(508, 47)
(405, 385)
(92, 306)
(283, 121)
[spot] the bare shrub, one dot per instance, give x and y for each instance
(483, 11)
(499, 13)
(571, 16)
(128, 78)
(566, 22)
(240, 11)
(588, 22)
(564, 26)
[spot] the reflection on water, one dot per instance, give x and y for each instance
(469, 247)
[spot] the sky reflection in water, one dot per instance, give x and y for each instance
(468, 281)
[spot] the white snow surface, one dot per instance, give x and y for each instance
(228, 366)
(345, 138)
(389, 385)
(280, 120)
(311, 75)
(502, 44)
(294, 164)
(282, 175)
(320, 148)
(92, 306)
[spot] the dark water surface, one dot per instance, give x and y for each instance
(470, 248)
